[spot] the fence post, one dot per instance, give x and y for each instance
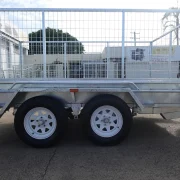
(150, 59)
(21, 58)
(123, 39)
(170, 53)
(44, 44)
(108, 59)
(65, 60)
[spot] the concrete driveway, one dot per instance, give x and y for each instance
(152, 151)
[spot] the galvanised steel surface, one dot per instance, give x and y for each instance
(133, 54)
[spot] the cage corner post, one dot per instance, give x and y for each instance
(123, 44)
(44, 44)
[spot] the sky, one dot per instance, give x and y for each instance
(117, 4)
(128, 4)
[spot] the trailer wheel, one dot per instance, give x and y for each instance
(40, 121)
(108, 119)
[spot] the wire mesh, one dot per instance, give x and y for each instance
(88, 44)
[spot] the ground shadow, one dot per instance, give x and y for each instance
(143, 129)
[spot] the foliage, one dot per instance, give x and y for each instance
(74, 47)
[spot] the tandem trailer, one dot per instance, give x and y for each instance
(57, 64)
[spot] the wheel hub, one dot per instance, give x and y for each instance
(106, 120)
(42, 121)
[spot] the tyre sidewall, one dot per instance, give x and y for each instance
(119, 105)
(45, 102)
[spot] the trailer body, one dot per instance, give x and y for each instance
(79, 56)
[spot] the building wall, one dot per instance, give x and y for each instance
(51, 58)
(136, 65)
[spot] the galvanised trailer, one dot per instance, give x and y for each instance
(102, 66)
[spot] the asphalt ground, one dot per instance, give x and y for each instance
(151, 152)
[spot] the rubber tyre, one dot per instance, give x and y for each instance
(47, 102)
(116, 102)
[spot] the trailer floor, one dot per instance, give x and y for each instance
(152, 151)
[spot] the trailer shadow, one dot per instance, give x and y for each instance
(152, 146)
(143, 129)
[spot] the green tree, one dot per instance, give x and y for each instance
(171, 20)
(74, 47)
